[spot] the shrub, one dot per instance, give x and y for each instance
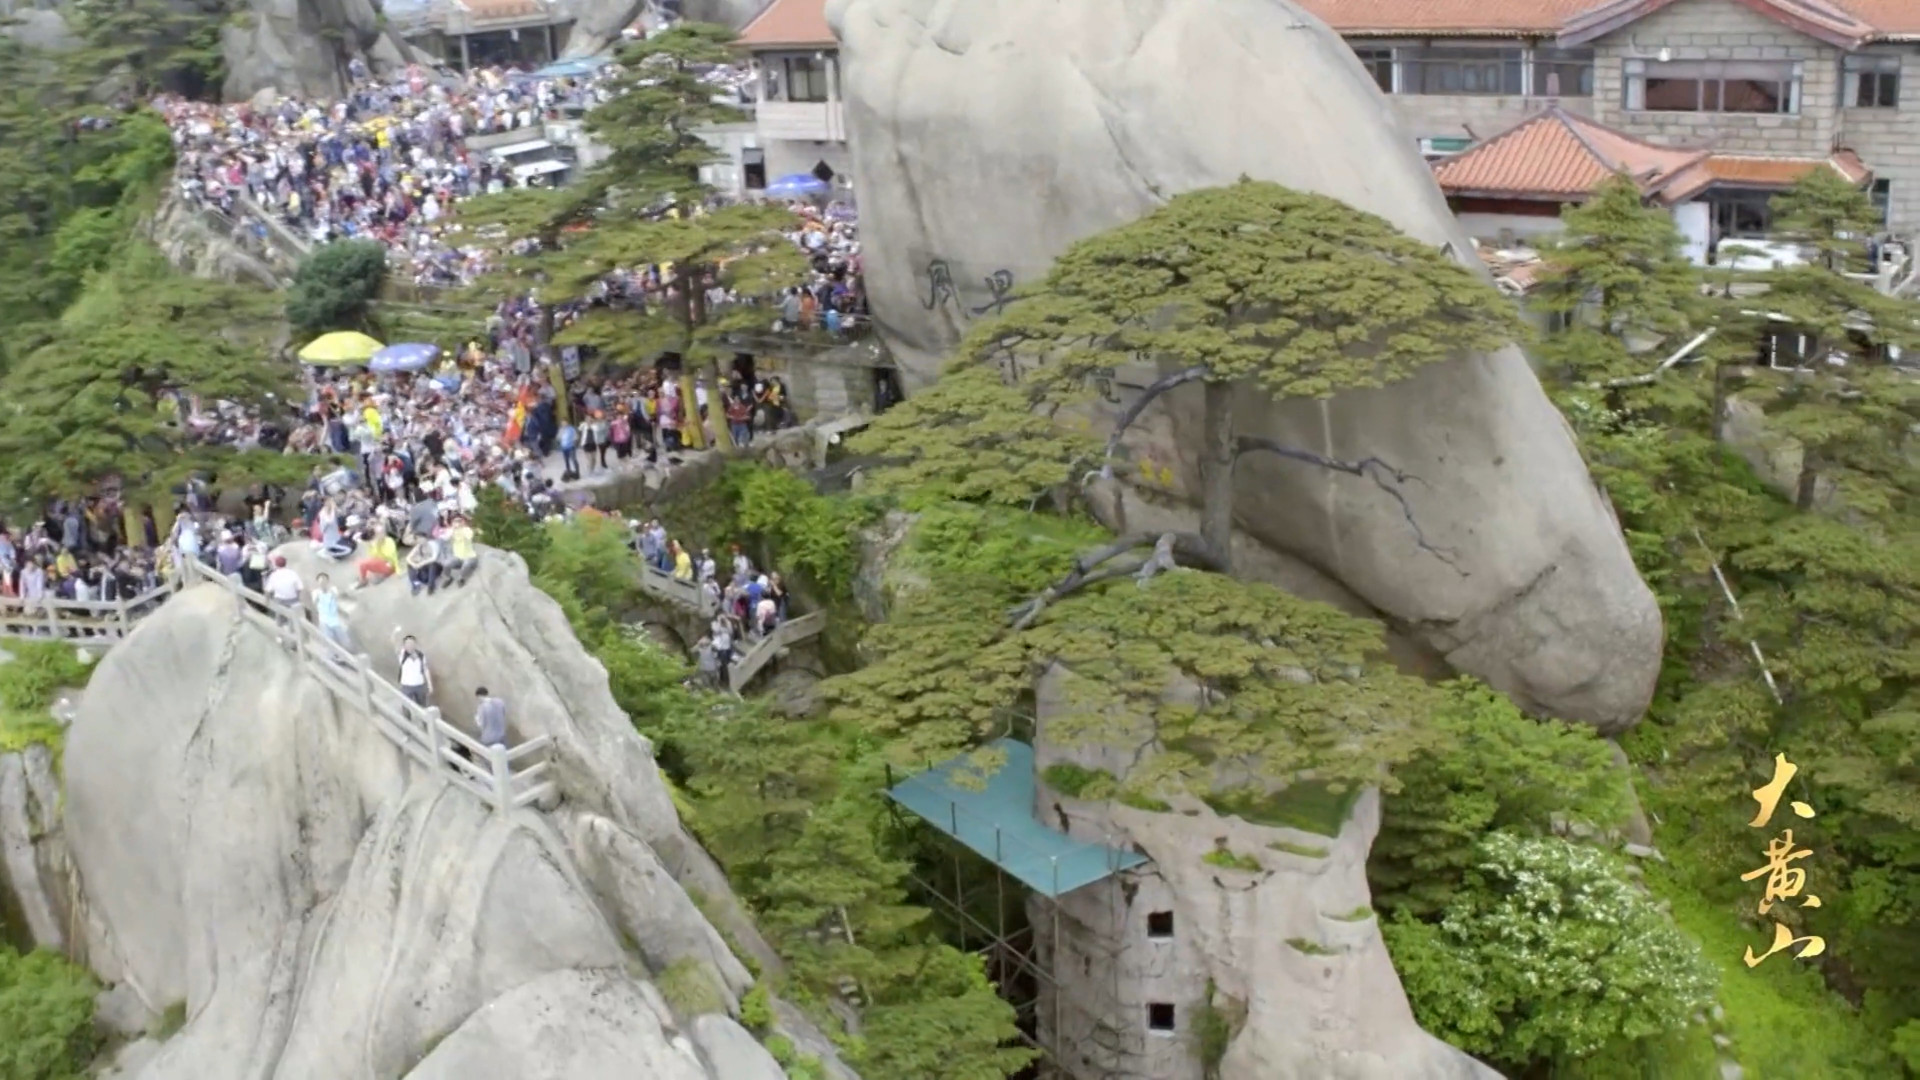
(46, 1017)
(1231, 860)
(333, 286)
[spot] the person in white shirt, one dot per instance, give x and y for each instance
(284, 587)
(416, 678)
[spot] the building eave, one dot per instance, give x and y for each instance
(1609, 18)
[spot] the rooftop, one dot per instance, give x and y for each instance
(789, 24)
(1846, 23)
(1558, 156)
(996, 820)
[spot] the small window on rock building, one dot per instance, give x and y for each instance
(1159, 1016)
(1160, 924)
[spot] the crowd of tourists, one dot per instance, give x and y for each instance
(747, 603)
(385, 163)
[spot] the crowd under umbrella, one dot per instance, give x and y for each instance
(342, 348)
(403, 359)
(798, 186)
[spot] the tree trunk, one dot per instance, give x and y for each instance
(1216, 474)
(1717, 422)
(1809, 485)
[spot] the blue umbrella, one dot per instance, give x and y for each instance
(798, 184)
(395, 359)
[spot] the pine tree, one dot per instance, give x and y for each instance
(1250, 287)
(1624, 261)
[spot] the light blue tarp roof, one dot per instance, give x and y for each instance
(997, 823)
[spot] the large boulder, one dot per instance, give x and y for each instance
(1271, 928)
(598, 23)
(301, 47)
(988, 136)
(255, 853)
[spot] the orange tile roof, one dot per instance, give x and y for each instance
(1741, 170)
(1825, 20)
(1847, 22)
(1504, 18)
(1559, 156)
(800, 24)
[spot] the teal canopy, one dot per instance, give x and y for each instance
(998, 823)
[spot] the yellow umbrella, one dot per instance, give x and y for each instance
(340, 348)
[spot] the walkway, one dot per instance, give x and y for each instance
(504, 777)
(760, 652)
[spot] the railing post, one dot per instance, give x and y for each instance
(502, 778)
(126, 617)
(433, 736)
(53, 617)
(365, 664)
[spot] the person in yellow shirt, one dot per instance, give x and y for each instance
(383, 558)
(65, 565)
(372, 416)
(682, 563)
(462, 556)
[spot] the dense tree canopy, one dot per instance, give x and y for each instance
(334, 286)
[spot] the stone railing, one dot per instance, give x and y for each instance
(503, 777)
(759, 652)
(83, 622)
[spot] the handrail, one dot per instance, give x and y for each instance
(486, 771)
(102, 622)
(762, 652)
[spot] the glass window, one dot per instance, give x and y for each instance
(1378, 60)
(1870, 82)
(1563, 72)
(1883, 199)
(1461, 70)
(1730, 86)
(806, 78)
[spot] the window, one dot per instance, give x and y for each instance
(1379, 64)
(1159, 1016)
(1883, 200)
(1461, 70)
(806, 78)
(1742, 215)
(1714, 86)
(1159, 924)
(1870, 82)
(1563, 72)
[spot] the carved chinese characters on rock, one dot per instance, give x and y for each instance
(1784, 878)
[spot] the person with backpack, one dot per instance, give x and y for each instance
(416, 677)
(569, 451)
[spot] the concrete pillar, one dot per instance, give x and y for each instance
(466, 61)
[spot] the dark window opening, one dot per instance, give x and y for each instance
(1882, 197)
(1563, 72)
(806, 78)
(1160, 924)
(1159, 1016)
(1714, 86)
(753, 168)
(1379, 64)
(1462, 70)
(1871, 82)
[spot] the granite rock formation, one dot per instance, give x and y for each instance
(252, 850)
(988, 135)
(301, 47)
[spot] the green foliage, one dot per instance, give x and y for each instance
(503, 525)
(974, 436)
(1077, 782)
(689, 987)
(1491, 768)
(812, 534)
(89, 404)
(791, 811)
(334, 286)
(1548, 953)
(38, 671)
(1232, 860)
(1278, 689)
(1007, 552)
(756, 1010)
(660, 102)
(1832, 217)
(1305, 851)
(1307, 805)
(1624, 258)
(1213, 1028)
(1310, 948)
(46, 1017)
(1290, 290)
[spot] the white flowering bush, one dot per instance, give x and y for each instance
(1548, 954)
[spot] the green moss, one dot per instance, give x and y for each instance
(1307, 806)
(21, 730)
(1232, 860)
(756, 1010)
(1311, 948)
(1306, 851)
(170, 1021)
(689, 989)
(1359, 914)
(1144, 802)
(1687, 1054)
(1076, 782)
(39, 669)
(782, 1050)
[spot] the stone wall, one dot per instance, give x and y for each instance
(1888, 140)
(1479, 116)
(1721, 30)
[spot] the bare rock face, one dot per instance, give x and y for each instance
(34, 900)
(1276, 923)
(301, 47)
(599, 23)
(988, 136)
(252, 849)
